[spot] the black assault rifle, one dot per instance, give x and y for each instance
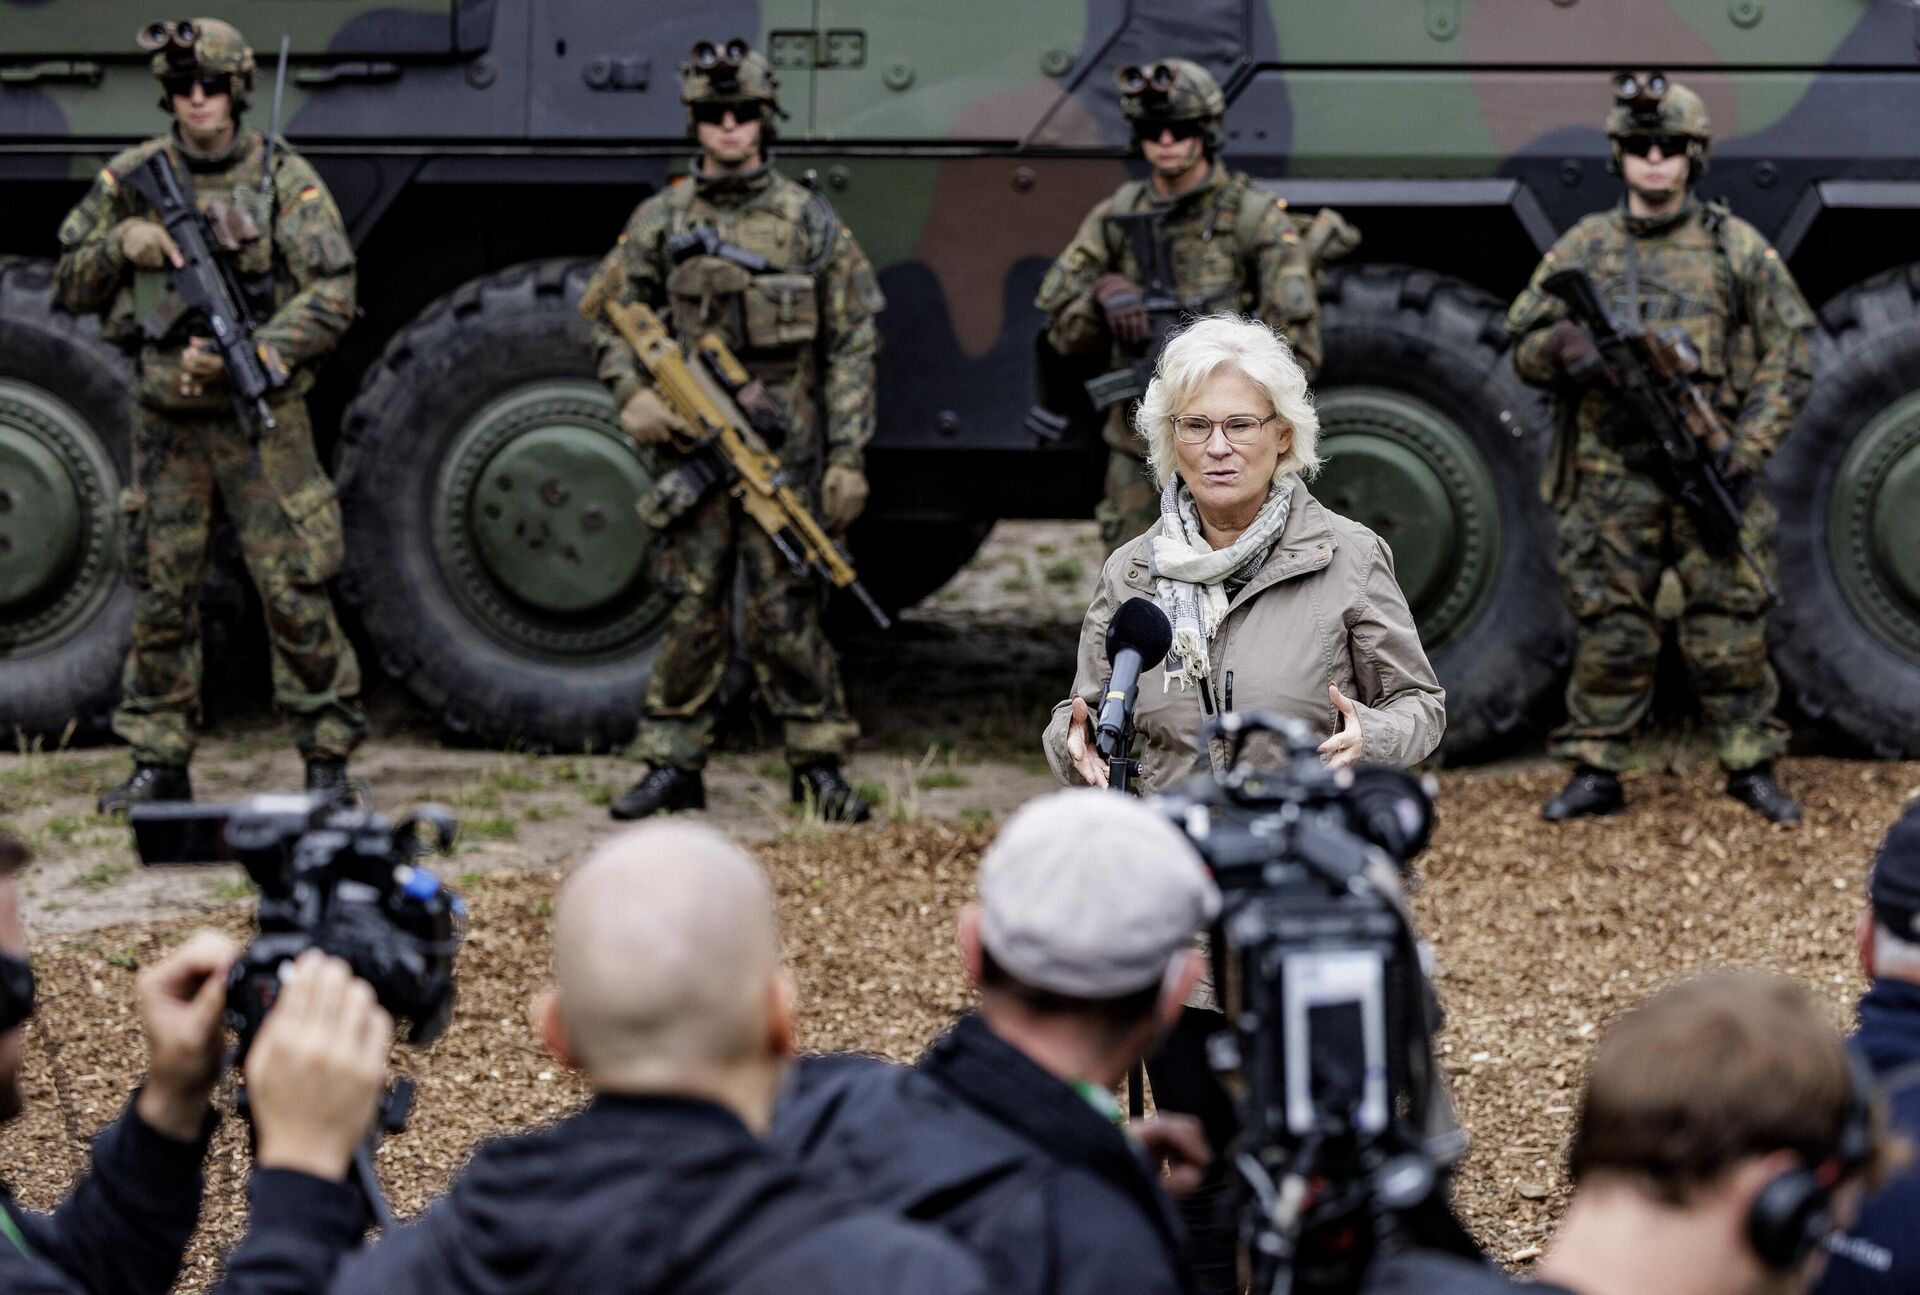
(1654, 374)
(1146, 234)
(205, 284)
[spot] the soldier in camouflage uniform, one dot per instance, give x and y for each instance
(804, 326)
(1666, 258)
(1230, 246)
(296, 267)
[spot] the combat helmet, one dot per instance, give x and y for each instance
(1647, 103)
(730, 72)
(1174, 89)
(200, 47)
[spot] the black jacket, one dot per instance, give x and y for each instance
(124, 1227)
(1881, 1251)
(656, 1195)
(1020, 1168)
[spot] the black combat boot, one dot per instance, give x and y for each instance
(327, 774)
(148, 783)
(1756, 789)
(1591, 791)
(824, 785)
(665, 787)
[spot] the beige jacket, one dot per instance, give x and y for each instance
(1324, 608)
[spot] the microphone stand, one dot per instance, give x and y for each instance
(1122, 769)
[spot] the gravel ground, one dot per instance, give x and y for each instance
(1542, 937)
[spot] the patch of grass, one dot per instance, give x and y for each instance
(478, 795)
(1067, 573)
(601, 793)
(66, 828)
(871, 792)
(540, 813)
(976, 816)
(231, 888)
(125, 959)
(468, 880)
(102, 875)
(543, 908)
(935, 779)
(511, 777)
(494, 827)
(1018, 584)
(1044, 549)
(775, 769)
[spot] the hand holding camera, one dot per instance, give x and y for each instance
(182, 998)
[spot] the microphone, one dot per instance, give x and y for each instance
(1138, 637)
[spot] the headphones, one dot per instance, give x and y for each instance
(16, 991)
(1793, 1214)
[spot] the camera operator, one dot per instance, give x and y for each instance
(1007, 1132)
(1724, 1134)
(125, 1225)
(1881, 1251)
(672, 1000)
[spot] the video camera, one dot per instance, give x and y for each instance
(333, 875)
(1347, 1132)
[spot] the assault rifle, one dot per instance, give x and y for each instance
(205, 284)
(1654, 374)
(1146, 234)
(732, 414)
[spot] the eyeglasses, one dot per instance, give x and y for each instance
(210, 83)
(1180, 128)
(715, 114)
(1191, 429)
(1669, 145)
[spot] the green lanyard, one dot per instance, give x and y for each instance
(1101, 1100)
(11, 1231)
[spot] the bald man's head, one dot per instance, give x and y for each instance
(666, 948)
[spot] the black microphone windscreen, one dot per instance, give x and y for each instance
(1142, 626)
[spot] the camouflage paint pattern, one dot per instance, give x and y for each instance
(793, 663)
(1714, 276)
(288, 522)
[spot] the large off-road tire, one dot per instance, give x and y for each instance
(65, 612)
(493, 550)
(1432, 440)
(1846, 636)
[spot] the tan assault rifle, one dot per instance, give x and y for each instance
(728, 410)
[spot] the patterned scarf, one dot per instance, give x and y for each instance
(1191, 576)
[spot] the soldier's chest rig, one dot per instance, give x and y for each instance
(242, 206)
(1684, 278)
(1193, 253)
(746, 272)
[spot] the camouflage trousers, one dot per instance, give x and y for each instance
(288, 523)
(1131, 504)
(694, 560)
(1616, 538)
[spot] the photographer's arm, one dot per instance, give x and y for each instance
(314, 1076)
(124, 1228)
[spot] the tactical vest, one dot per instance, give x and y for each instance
(769, 316)
(1208, 272)
(244, 207)
(1684, 278)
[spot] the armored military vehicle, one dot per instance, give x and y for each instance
(484, 151)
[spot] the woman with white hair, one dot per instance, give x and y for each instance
(1277, 603)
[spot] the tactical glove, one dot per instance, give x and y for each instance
(1574, 351)
(648, 420)
(1125, 308)
(146, 243)
(843, 497)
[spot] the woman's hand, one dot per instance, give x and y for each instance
(1343, 748)
(1080, 746)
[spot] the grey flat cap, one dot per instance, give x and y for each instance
(1091, 894)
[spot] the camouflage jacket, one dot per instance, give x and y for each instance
(1232, 246)
(1704, 270)
(804, 327)
(299, 280)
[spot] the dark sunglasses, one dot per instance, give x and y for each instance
(714, 114)
(212, 83)
(16, 991)
(1183, 128)
(1669, 145)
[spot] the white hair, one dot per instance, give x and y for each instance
(1894, 955)
(1249, 348)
